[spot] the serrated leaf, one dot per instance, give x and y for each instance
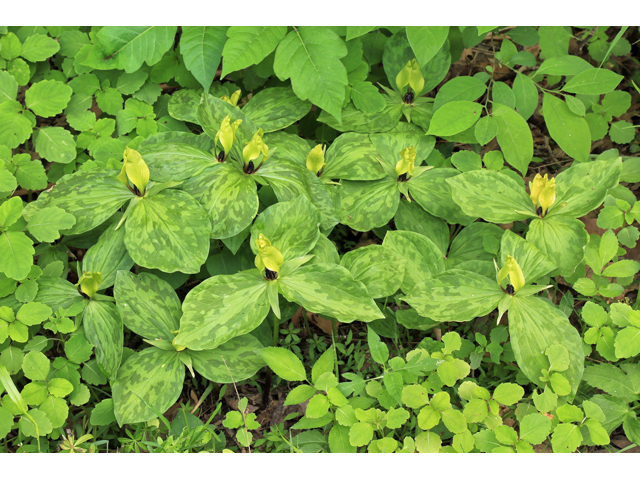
(248, 46)
(37, 48)
(48, 98)
(127, 48)
(201, 49)
(8, 87)
(36, 366)
(46, 224)
(15, 127)
(55, 144)
(16, 254)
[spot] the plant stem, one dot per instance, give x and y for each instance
(334, 335)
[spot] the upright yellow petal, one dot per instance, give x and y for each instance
(315, 159)
(89, 283)
(407, 162)
(547, 195)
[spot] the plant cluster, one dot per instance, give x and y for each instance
(165, 226)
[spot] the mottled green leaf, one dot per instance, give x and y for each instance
(201, 49)
(354, 120)
(367, 205)
(234, 361)
(103, 328)
(380, 268)
(222, 307)
(212, 111)
(175, 161)
(411, 216)
(532, 261)
(275, 108)
(352, 156)
(108, 256)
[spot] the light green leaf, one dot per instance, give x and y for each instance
(623, 268)
(36, 366)
(354, 120)
(535, 428)
(532, 261)
(331, 290)
(514, 137)
(60, 387)
(37, 48)
(366, 97)
(108, 256)
(168, 231)
(508, 393)
(454, 117)
(16, 254)
(627, 343)
(426, 42)
(151, 377)
(526, 95)
(248, 46)
(78, 349)
(275, 108)
(55, 144)
(459, 88)
(201, 49)
(566, 438)
(103, 328)
(15, 127)
(48, 98)
(8, 87)
(222, 307)
(594, 81)
(352, 156)
(569, 130)
(310, 57)
(368, 205)
(564, 65)
(234, 361)
(31, 175)
(46, 224)
(380, 268)
(411, 216)
(284, 363)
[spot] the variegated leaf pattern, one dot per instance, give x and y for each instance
(324, 251)
(222, 307)
(582, 187)
(455, 296)
(290, 180)
(275, 108)
(233, 361)
(533, 262)
(108, 256)
(380, 268)
(175, 161)
(148, 305)
(535, 325)
(354, 120)
(103, 328)
(352, 156)
(432, 192)
(404, 135)
(411, 216)
(368, 205)
(288, 146)
(150, 377)
(468, 245)
(329, 290)
(492, 196)
(228, 196)
(212, 111)
(168, 231)
(91, 197)
(291, 227)
(562, 239)
(423, 258)
(57, 293)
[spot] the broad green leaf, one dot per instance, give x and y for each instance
(91, 197)
(127, 48)
(108, 256)
(8, 87)
(569, 130)
(535, 325)
(324, 364)
(8, 182)
(275, 108)
(466, 248)
(130, 83)
(300, 394)
(455, 296)
(103, 413)
(423, 258)
(103, 328)
(514, 137)
(612, 380)
(152, 377)
(15, 127)
(459, 88)
(57, 293)
(454, 117)
(535, 428)
(33, 313)
(220, 308)
(175, 161)
(330, 290)
(493, 196)
(37, 48)
(78, 349)
(228, 196)
(360, 434)
(339, 440)
(526, 95)
(508, 393)
(367, 98)
(201, 49)
(405, 135)
(310, 56)
(378, 267)
(428, 442)
(532, 261)
(583, 187)
(623, 268)
(55, 144)
(41, 427)
(48, 98)
(168, 231)
(566, 438)
(368, 205)
(60, 387)
(594, 81)
(288, 146)
(36, 366)
(411, 216)
(248, 46)
(426, 42)
(56, 409)
(46, 224)
(10, 212)
(627, 343)
(147, 305)
(183, 105)
(291, 227)
(284, 363)
(352, 156)
(564, 65)
(16, 254)
(234, 361)
(354, 120)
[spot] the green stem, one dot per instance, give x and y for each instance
(276, 331)
(334, 335)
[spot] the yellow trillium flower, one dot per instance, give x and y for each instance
(235, 96)
(407, 163)
(254, 148)
(227, 134)
(315, 159)
(134, 170)
(89, 283)
(178, 348)
(268, 257)
(512, 270)
(412, 76)
(543, 192)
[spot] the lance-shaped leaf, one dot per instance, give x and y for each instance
(147, 305)
(412, 217)
(291, 227)
(222, 307)
(569, 130)
(91, 197)
(57, 293)
(493, 196)
(275, 108)
(291, 180)
(432, 192)
(310, 56)
(201, 48)
(378, 267)
(228, 196)
(103, 328)
(562, 239)
(533, 262)
(368, 205)
(168, 231)
(175, 161)
(108, 256)
(535, 325)
(46, 223)
(352, 156)
(426, 41)
(330, 290)
(514, 137)
(424, 259)
(234, 361)
(152, 377)
(455, 296)
(16, 254)
(583, 187)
